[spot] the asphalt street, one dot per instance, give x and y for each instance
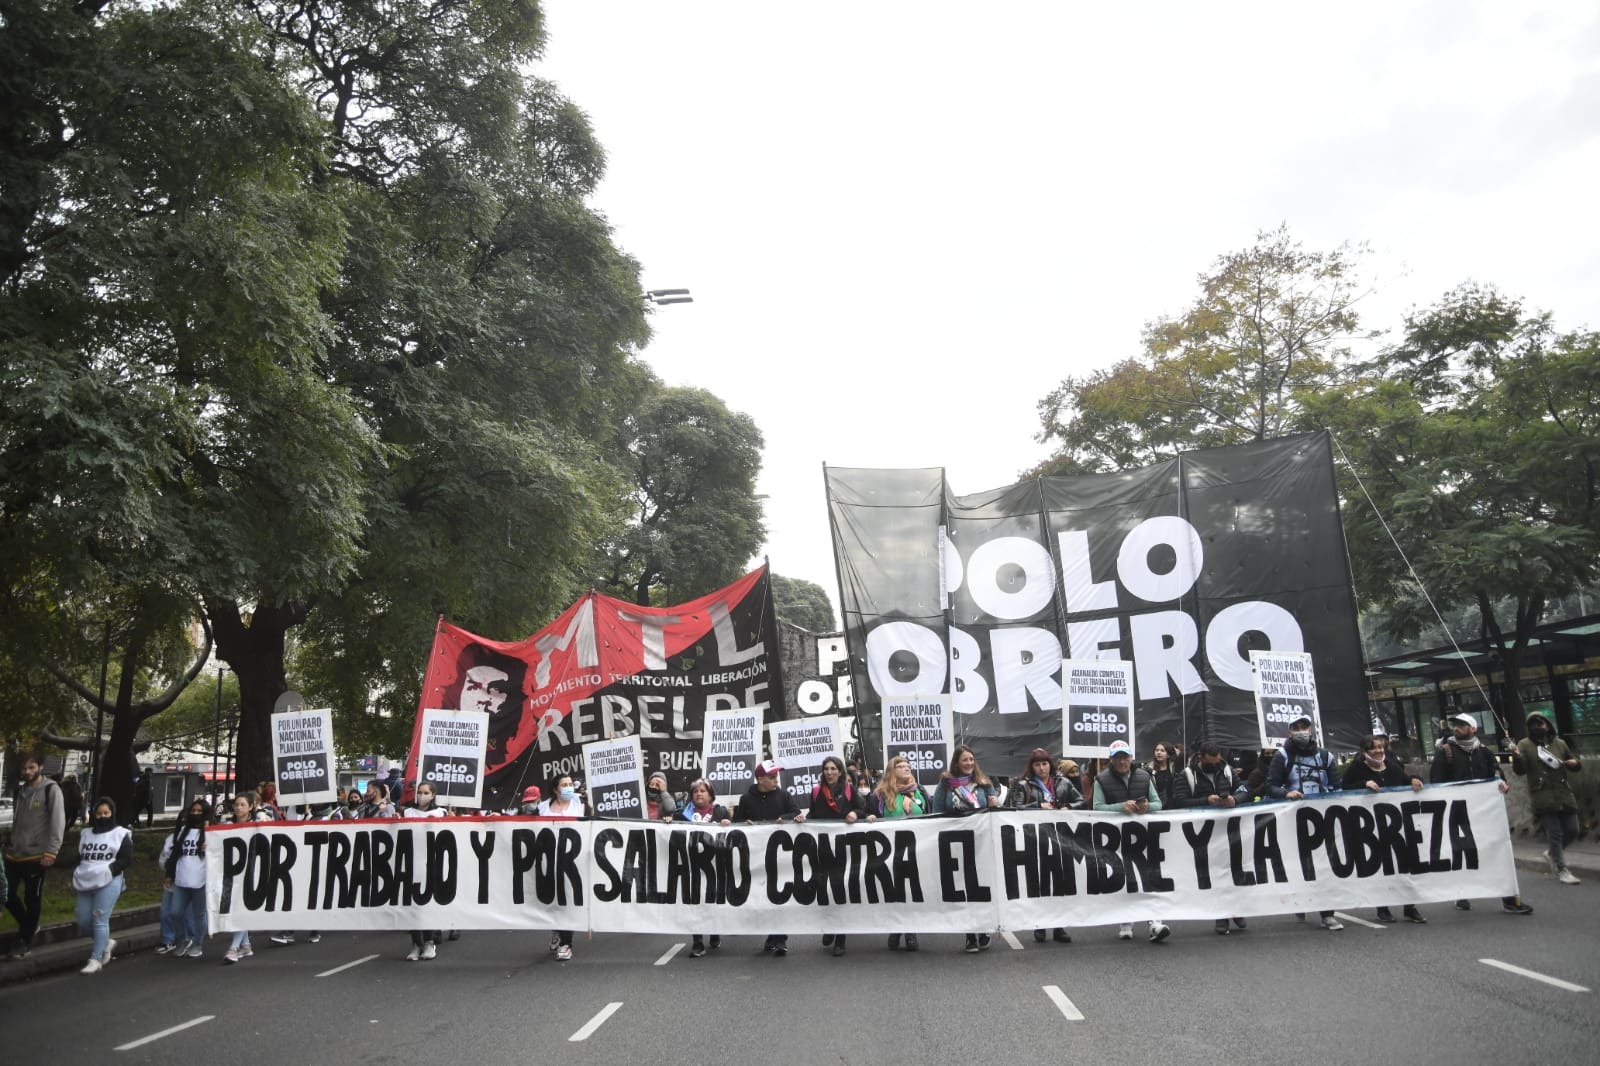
(1283, 992)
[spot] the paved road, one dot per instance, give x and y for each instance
(1284, 992)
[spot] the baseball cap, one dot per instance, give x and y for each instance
(1120, 747)
(531, 794)
(767, 768)
(1463, 719)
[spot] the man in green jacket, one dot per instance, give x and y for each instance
(1545, 760)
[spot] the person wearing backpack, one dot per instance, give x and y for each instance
(1545, 760)
(1128, 789)
(1301, 768)
(1037, 789)
(1463, 757)
(835, 799)
(1208, 783)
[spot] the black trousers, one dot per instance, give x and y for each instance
(26, 898)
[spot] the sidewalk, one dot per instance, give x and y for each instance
(59, 948)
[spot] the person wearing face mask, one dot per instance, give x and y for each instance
(1545, 760)
(1207, 782)
(424, 942)
(564, 803)
(347, 811)
(528, 806)
(105, 849)
(659, 803)
(1462, 757)
(1374, 771)
(1303, 768)
(183, 859)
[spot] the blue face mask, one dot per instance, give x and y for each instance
(569, 794)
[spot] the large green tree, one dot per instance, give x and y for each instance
(803, 603)
(1269, 321)
(696, 518)
(305, 318)
(1476, 442)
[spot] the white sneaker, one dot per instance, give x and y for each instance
(1567, 877)
(429, 950)
(1159, 932)
(180, 948)
(1332, 924)
(164, 949)
(283, 938)
(105, 956)
(92, 966)
(232, 955)
(194, 953)
(315, 938)
(1125, 931)
(414, 954)
(563, 953)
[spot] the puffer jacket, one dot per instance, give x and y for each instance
(1549, 787)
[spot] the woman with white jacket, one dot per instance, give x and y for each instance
(105, 849)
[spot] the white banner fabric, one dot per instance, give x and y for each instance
(988, 870)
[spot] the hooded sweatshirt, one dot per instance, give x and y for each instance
(40, 822)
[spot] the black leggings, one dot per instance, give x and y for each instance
(25, 900)
(422, 936)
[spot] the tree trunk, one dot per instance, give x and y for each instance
(255, 653)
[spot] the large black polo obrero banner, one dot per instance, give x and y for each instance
(607, 668)
(1182, 568)
(991, 869)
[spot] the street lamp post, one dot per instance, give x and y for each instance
(662, 297)
(216, 727)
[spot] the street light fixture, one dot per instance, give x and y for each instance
(662, 297)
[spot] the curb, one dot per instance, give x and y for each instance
(71, 954)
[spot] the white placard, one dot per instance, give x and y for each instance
(454, 746)
(920, 729)
(730, 751)
(614, 775)
(1099, 709)
(1286, 689)
(798, 747)
(302, 756)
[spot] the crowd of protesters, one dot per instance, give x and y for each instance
(844, 792)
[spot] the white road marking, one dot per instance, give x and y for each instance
(673, 950)
(1343, 917)
(1063, 1004)
(594, 1023)
(1011, 938)
(143, 1040)
(346, 966)
(1558, 982)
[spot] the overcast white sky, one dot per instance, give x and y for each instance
(927, 214)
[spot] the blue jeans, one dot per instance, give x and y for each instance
(241, 938)
(94, 913)
(169, 917)
(1561, 829)
(189, 909)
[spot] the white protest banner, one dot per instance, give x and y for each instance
(302, 756)
(731, 749)
(614, 774)
(1099, 706)
(451, 757)
(920, 729)
(798, 747)
(990, 869)
(1286, 689)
